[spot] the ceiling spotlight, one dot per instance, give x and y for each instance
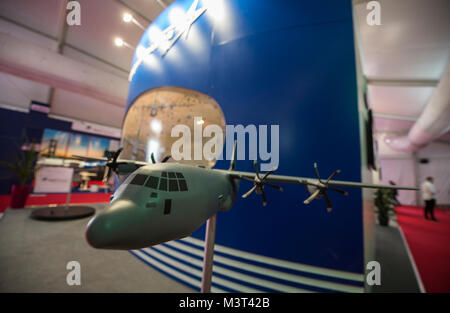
(127, 17)
(118, 42)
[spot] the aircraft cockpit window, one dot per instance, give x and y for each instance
(152, 182)
(169, 181)
(173, 184)
(163, 184)
(183, 185)
(139, 179)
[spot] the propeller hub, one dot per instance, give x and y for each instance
(321, 187)
(111, 164)
(259, 183)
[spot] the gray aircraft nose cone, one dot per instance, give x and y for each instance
(95, 236)
(111, 228)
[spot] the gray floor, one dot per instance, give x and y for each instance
(34, 255)
(397, 274)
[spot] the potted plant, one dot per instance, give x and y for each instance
(23, 168)
(383, 201)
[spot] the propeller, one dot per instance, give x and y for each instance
(318, 190)
(259, 184)
(166, 158)
(111, 164)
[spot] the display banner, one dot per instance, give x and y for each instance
(53, 180)
(96, 129)
(64, 144)
(284, 63)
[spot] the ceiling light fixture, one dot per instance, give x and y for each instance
(119, 42)
(128, 18)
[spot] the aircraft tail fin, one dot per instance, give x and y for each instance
(233, 157)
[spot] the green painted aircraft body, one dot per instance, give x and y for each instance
(161, 202)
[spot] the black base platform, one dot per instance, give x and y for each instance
(60, 213)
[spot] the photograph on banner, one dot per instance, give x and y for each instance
(54, 142)
(78, 145)
(98, 146)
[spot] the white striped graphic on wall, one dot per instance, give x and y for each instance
(239, 271)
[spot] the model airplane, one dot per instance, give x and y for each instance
(159, 202)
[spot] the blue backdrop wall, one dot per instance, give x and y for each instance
(289, 63)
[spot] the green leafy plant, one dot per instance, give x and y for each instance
(383, 201)
(23, 165)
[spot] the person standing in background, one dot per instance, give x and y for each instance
(429, 196)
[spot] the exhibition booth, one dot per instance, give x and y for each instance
(173, 153)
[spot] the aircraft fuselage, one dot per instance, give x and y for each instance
(161, 202)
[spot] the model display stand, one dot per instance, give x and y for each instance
(208, 259)
(59, 213)
(62, 212)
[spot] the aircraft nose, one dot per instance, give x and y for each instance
(110, 228)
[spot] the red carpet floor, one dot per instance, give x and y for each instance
(429, 243)
(57, 198)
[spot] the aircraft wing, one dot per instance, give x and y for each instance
(94, 159)
(136, 163)
(310, 181)
(122, 166)
(89, 159)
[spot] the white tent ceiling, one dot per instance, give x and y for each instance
(92, 43)
(402, 59)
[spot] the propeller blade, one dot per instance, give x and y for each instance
(345, 193)
(109, 154)
(249, 192)
(255, 166)
(332, 175)
(116, 154)
(268, 173)
(329, 205)
(152, 156)
(260, 183)
(317, 171)
(273, 186)
(264, 197)
(312, 196)
(166, 158)
(106, 174)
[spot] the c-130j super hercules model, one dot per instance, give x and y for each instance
(159, 202)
